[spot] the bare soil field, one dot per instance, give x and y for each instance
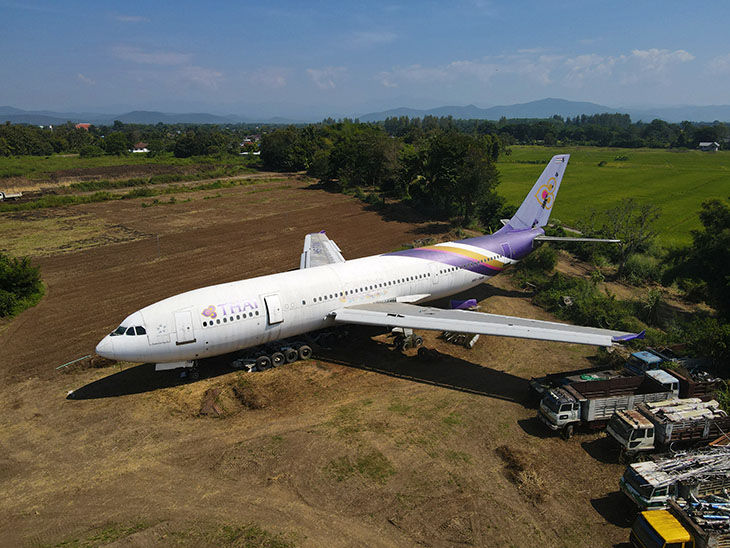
(360, 446)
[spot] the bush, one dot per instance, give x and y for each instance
(641, 269)
(20, 284)
(91, 151)
(544, 258)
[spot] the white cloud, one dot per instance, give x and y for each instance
(719, 65)
(132, 19)
(139, 55)
(86, 79)
(539, 67)
(270, 77)
(325, 78)
(200, 76)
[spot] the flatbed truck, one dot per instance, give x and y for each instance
(592, 403)
(660, 425)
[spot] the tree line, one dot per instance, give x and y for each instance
(184, 140)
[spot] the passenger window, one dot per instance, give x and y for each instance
(130, 331)
(224, 320)
(238, 316)
(218, 322)
(205, 324)
(140, 330)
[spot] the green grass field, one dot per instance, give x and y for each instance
(676, 182)
(38, 167)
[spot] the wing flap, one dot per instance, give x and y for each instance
(319, 250)
(421, 317)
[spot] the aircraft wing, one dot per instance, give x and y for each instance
(319, 250)
(393, 314)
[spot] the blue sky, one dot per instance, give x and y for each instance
(341, 58)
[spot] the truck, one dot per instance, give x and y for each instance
(7, 195)
(702, 524)
(660, 425)
(652, 484)
(592, 403)
(693, 374)
(539, 385)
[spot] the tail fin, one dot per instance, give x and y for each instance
(535, 210)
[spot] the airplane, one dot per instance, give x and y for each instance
(327, 290)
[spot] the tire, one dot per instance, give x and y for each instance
(291, 355)
(263, 363)
(194, 374)
(568, 431)
(418, 342)
(405, 345)
(277, 359)
(305, 352)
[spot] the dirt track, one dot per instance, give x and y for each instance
(359, 447)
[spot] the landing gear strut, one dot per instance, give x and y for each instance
(405, 339)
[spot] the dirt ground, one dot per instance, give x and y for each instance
(361, 446)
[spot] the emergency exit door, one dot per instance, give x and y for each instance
(184, 327)
(273, 309)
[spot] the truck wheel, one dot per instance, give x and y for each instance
(277, 359)
(568, 431)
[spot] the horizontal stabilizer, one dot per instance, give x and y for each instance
(543, 238)
(319, 250)
(420, 317)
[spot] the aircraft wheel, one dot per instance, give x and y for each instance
(277, 359)
(291, 355)
(405, 345)
(263, 363)
(305, 352)
(418, 342)
(194, 374)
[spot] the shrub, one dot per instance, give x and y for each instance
(641, 269)
(91, 151)
(20, 284)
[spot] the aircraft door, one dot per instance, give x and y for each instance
(184, 327)
(506, 250)
(434, 274)
(273, 309)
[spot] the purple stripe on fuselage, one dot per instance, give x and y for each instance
(449, 259)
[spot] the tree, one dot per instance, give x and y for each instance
(710, 256)
(630, 222)
(116, 143)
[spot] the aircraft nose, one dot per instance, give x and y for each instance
(105, 348)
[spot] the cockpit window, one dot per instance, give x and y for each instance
(118, 331)
(140, 330)
(130, 331)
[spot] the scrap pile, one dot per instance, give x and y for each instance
(686, 409)
(711, 512)
(691, 467)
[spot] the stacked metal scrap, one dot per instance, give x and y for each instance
(690, 466)
(711, 512)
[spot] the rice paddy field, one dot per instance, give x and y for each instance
(675, 181)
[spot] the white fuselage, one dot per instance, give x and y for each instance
(228, 317)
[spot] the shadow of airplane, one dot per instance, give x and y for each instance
(361, 352)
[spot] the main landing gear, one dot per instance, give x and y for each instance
(404, 338)
(273, 355)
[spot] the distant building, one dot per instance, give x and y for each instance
(83, 126)
(140, 147)
(710, 146)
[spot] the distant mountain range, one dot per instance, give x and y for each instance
(544, 108)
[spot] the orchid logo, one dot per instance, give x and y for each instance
(210, 312)
(546, 193)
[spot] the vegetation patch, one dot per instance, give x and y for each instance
(20, 285)
(100, 537)
(373, 466)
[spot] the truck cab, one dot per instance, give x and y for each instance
(560, 410)
(632, 431)
(641, 362)
(659, 529)
(646, 487)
